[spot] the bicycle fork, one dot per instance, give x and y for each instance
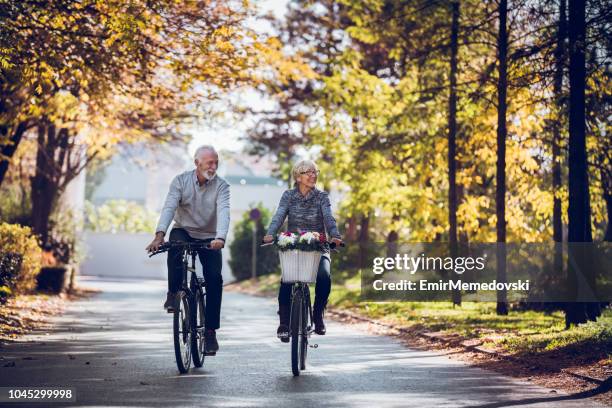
(309, 327)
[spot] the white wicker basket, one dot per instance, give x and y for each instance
(299, 266)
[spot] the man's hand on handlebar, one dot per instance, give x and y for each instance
(268, 238)
(337, 242)
(217, 244)
(157, 241)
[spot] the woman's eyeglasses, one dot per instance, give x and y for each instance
(311, 172)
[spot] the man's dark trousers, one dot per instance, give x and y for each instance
(211, 264)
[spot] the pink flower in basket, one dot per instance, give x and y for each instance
(286, 239)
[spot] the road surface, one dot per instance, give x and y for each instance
(115, 349)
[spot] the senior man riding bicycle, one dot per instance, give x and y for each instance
(198, 201)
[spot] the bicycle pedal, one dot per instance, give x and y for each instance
(313, 345)
(213, 353)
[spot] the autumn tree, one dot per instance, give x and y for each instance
(89, 75)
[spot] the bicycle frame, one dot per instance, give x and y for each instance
(189, 250)
(190, 277)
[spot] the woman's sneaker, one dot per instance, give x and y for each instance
(283, 333)
(319, 324)
(283, 329)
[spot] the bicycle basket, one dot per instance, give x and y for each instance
(299, 266)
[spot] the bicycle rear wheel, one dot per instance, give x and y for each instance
(296, 324)
(197, 339)
(182, 333)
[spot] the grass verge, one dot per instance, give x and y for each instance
(521, 333)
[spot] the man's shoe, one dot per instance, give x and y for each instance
(283, 333)
(171, 303)
(317, 317)
(210, 341)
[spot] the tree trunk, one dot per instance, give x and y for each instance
(500, 193)
(392, 238)
(579, 210)
(9, 150)
(43, 186)
(452, 129)
(351, 230)
(53, 173)
(452, 146)
(556, 149)
(556, 133)
(608, 198)
(364, 238)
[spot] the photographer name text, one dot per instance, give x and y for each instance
(440, 285)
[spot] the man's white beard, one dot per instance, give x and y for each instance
(209, 174)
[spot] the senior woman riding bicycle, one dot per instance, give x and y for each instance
(307, 209)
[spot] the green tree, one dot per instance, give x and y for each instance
(383, 120)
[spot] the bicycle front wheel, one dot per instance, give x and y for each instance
(197, 339)
(182, 333)
(296, 324)
(304, 333)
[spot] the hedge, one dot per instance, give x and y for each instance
(20, 259)
(241, 247)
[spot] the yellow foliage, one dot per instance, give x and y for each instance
(19, 240)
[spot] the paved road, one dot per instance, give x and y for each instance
(116, 350)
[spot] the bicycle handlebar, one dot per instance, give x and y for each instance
(190, 246)
(331, 245)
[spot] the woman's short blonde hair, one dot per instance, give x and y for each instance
(301, 166)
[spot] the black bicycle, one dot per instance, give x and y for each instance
(189, 318)
(301, 324)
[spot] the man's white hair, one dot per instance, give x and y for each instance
(203, 148)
